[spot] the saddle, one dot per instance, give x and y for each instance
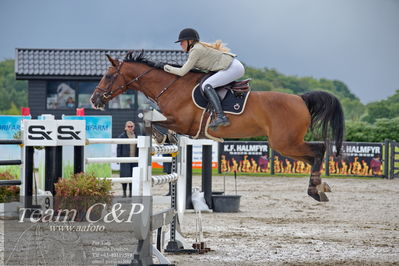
(238, 86)
(233, 97)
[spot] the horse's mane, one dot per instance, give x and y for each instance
(139, 57)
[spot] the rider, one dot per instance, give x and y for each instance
(209, 57)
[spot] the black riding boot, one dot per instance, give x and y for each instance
(221, 119)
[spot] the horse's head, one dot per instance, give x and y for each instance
(111, 85)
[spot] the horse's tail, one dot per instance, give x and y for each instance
(326, 113)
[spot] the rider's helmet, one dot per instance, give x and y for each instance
(188, 34)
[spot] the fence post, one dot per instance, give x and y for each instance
(219, 157)
(28, 182)
(327, 158)
(392, 168)
(189, 175)
(58, 164)
(78, 159)
(53, 167)
(391, 159)
(272, 162)
(207, 174)
(172, 244)
(386, 160)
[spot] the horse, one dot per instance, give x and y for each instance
(283, 118)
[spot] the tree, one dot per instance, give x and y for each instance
(261, 85)
(381, 130)
(343, 90)
(359, 131)
(12, 111)
(353, 109)
(13, 93)
(387, 129)
(376, 110)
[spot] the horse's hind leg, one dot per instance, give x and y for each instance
(316, 188)
(312, 153)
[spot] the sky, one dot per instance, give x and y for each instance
(354, 41)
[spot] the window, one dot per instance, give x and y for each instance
(86, 89)
(127, 100)
(61, 95)
(76, 94)
(142, 101)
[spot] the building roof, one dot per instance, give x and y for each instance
(41, 63)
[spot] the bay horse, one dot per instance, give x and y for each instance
(283, 118)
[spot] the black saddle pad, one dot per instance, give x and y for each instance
(231, 103)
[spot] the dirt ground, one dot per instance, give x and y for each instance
(278, 224)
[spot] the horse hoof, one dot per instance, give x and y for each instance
(159, 138)
(317, 195)
(323, 197)
(323, 187)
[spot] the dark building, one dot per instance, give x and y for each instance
(61, 80)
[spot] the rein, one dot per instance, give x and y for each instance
(125, 86)
(165, 89)
(108, 93)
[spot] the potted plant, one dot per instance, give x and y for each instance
(9, 197)
(80, 192)
(8, 193)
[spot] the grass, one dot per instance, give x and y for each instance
(96, 169)
(14, 170)
(158, 171)
(68, 170)
(104, 170)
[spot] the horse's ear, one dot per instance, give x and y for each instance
(113, 61)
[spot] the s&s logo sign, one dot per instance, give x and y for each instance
(71, 132)
(67, 133)
(54, 132)
(39, 132)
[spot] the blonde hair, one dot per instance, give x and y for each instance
(218, 45)
(129, 122)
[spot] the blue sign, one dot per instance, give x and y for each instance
(10, 128)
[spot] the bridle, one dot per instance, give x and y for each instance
(107, 91)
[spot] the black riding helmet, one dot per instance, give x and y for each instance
(188, 34)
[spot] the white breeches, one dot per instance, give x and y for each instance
(235, 71)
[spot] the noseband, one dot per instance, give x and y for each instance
(107, 92)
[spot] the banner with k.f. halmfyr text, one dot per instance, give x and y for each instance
(357, 158)
(244, 157)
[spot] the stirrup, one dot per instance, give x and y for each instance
(219, 121)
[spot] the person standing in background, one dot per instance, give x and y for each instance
(127, 150)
